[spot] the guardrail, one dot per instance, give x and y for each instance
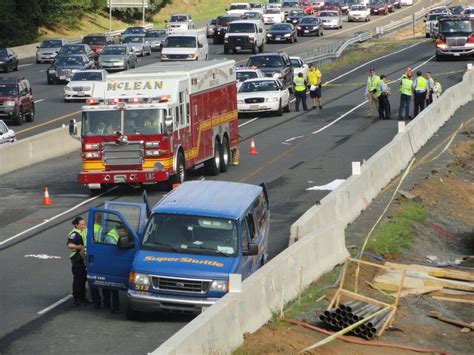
(315, 245)
(394, 26)
(29, 50)
(335, 49)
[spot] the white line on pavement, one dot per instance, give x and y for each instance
(42, 71)
(25, 65)
(36, 101)
(55, 304)
(57, 216)
(250, 121)
(339, 118)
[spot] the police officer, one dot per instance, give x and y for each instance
(420, 87)
(76, 242)
(406, 92)
(384, 102)
(299, 86)
(372, 92)
(431, 88)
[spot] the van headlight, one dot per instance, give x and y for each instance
(192, 55)
(218, 285)
(141, 279)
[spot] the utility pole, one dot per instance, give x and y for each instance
(143, 12)
(110, 15)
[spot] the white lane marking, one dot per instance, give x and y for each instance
(25, 65)
(292, 139)
(250, 121)
(339, 118)
(328, 187)
(42, 71)
(42, 256)
(57, 216)
(40, 100)
(54, 305)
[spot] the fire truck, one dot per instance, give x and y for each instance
(153, 123)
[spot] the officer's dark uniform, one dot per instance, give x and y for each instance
(78, 267)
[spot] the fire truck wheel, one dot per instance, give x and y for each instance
(225, 155)
(212, 166)
(180, 175)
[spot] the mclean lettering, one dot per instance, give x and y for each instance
(135, 85)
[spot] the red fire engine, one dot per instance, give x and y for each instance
(153, 123)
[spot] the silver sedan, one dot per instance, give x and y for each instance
(139, 45)
(330, 19)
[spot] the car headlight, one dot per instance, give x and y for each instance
(298, 27)
(9, 103)
(67, 89)
(217, 285)
(239, 101)
(287, 35)
(315, 27)
(272, 99)
(164, 56)
(141, 279)
(269, 35)
(52, 71)
(251, 39)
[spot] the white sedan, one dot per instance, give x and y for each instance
(244, 74)
(273, 15)
(81, 84)
(406, 2)
(298, 66)
(263, 95)
(358, 13)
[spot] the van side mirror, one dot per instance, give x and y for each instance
(168, 124)
(72, 127)
(260, 30)
(126, 242)
(200, 45)
(252, 250)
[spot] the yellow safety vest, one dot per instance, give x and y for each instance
(373, 84)
(313, 77)
(299, 84)
(406, 86)
(97, 230)
(420, 84)
(439, 89)
(113, 234)
(84, 240)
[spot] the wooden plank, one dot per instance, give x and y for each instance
(450, 284)
(358, 297)
(439, 316)
(453, 299)
(381, 266)
(397, 297)
(450, 274)
(420, 291)
(428, 269)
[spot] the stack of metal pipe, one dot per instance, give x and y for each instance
(351, 312)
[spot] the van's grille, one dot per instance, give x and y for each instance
(177, 56)
(456, 41)
(238, 40)
(180, 285)
(123, 154)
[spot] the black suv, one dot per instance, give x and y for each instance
(455, 37)
(8, 60)
(16, 100)
(222, 25)
(276, 65)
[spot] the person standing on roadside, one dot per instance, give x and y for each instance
(76, 242)
(438, 89)
(431, 88)
(420, 87)
(384, 102)
(372, 92)
(406, 92)
(299, 87)
(313, 77)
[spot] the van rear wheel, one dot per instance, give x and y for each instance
(212, 166)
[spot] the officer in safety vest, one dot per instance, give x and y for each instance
(372, 92)
(111, 297)
(76, 242)
(406, 92)
(420, 87)
(299, 86)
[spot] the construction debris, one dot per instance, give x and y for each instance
(439, 316)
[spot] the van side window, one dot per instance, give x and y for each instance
(108, 228)
(251, 224)
(261, 212)
(245, 235)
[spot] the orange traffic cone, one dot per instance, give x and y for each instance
(46, 198)
(252, 149)
(175, 186)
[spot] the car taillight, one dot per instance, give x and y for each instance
(470, 38)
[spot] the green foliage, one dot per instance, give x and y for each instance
(396, 235)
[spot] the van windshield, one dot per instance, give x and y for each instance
(241, 28)
(191, 235)
(180, 42)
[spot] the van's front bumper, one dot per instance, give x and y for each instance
(148, 302)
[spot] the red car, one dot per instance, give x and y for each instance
(330, 7)
(379, 8)
(97, 42)
(307, 6)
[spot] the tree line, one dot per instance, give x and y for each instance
(20, 20)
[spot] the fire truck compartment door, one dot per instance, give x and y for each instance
(111, 247)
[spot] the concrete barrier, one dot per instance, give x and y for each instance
(36, 149)
(220, 329)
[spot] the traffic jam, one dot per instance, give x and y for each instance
(144, 125)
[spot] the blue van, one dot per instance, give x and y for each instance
(178, 256)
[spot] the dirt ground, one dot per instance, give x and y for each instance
(446, 191)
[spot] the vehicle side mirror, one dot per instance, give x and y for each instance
(37, 46)
(260, 30)
(252, 250)
(424, 20)
(72, 127)
(166, 21)
(226, 9)
(200, 45)
(168, 124)
(125, 242)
